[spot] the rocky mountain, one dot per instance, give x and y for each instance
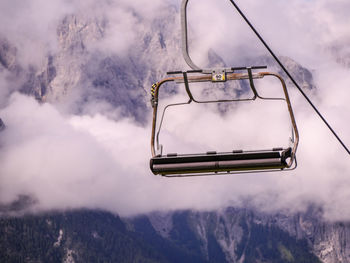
(227, 235)
(81, 73)
(244, 235)
(302, 75)
(230, 235)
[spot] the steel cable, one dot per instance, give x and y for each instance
(290, 76)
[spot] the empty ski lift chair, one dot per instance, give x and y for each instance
(211, 163)
(220, 162)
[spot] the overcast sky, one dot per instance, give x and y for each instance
(69, 161)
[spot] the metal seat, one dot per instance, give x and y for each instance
(212, 162)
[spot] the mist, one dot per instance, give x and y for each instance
(99, 159)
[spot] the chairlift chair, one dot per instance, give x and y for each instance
(236, 161)
(211, 163)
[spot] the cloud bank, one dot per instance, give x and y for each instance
(64, 160)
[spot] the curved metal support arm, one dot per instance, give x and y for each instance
(291, 115)
(185, 53)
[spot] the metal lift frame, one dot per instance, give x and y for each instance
(211, 163)
(237, 161)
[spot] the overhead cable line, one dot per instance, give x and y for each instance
(290, 76)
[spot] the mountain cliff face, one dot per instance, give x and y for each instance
(86, 77)
(246, 235)
(83, 74)
(232, 235)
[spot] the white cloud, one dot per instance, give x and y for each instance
(68, 161)
(31, 26)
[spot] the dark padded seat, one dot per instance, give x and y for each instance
(212, 162)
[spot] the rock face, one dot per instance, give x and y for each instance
(302, 75)
(83, 73)
(7, 54)
(240, 234)
(87, 77)
(231, 235)
(2, 125)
